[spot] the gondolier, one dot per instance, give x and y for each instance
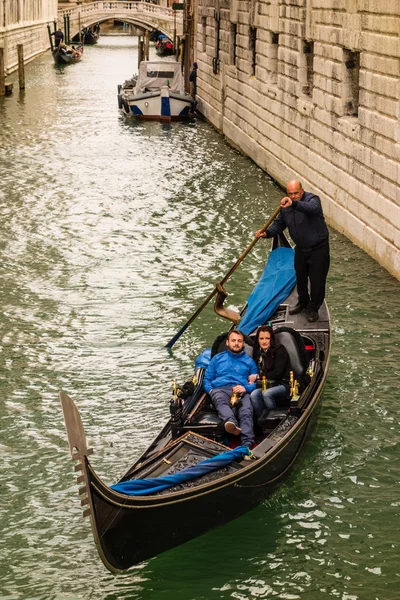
(58, 37)
(302, 214)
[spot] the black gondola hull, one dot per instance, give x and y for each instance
(130, 530)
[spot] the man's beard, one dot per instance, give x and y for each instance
(236, 351)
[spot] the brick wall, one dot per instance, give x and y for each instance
(315, 98)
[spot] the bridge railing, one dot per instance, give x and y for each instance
(127, 6)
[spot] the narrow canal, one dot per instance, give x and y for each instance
(112, 233)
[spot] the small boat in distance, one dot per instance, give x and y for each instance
(64, 54)
(164, 46)
(89, 36)
(192, 477)
(156, 93)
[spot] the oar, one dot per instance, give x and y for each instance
(215, 290)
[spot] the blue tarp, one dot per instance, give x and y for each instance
(146, 487)
(273, 287)
(203, 360)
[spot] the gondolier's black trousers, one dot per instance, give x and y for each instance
(312, 265)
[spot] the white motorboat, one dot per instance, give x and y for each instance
(157, 92)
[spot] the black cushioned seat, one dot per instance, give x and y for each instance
(294, 345)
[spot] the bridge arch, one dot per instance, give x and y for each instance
(148, 25)
(141, 14)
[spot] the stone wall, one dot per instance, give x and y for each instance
(25, 22)
(309, 89)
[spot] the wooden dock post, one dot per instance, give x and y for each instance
(147, 44)
(21, 66)
(2, 76)
(50, 38)
(140, 50)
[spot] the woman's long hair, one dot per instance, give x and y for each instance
(267, 360)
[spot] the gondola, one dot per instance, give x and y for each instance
(164, 47)
(67, 55)
(131, 528)
(90, 36)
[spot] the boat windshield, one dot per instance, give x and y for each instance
(154, 75)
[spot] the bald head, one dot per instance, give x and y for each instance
(295, 190)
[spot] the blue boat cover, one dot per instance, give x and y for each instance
(146, 487)
(273, 287)
(203, 359)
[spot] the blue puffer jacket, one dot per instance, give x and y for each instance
(229, 369)
(305, 221)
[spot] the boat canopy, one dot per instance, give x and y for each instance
(273, 287)
(155, 74)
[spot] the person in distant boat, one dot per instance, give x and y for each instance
(302, 214)
(193, 79)
(227, 374)
(58, 37)
(273, 365)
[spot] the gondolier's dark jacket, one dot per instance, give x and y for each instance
(305, 221)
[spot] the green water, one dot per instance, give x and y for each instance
(112, 234)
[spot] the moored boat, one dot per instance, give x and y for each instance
(157, 93)
(170, 509)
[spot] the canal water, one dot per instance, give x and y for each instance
(112, 233)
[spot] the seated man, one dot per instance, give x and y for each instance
(229, 372)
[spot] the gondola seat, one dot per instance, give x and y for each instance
(271, 418)
(296, 350)
(208, 424)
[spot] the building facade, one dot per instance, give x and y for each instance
(25, 22)
(309, 89)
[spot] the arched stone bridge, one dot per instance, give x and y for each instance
(142, 14)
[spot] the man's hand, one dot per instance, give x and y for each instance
(253, 378)
(285, 202)
(240, 389)
(260, 234)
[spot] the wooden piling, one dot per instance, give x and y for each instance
(21, 66)
(140, 50)
(147, 44)
(2, 75)
(50, 38)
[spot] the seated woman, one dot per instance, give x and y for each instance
(273, 363)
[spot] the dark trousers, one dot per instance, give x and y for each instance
(313, 265)
(242, 417)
